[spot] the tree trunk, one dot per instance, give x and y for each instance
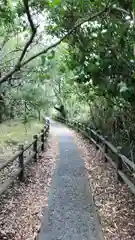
(62, 111)
(39, 115)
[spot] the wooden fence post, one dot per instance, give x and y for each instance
(89, 133)
(97, 141)
(79, 128)
(105, 151)
(35, 137)
(47, 130)
(119, 167)
(42, 140)
(46, 135)
(21, 163)
(48, 127)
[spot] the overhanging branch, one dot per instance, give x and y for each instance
(65, 36)
(33, 32)
(21, 64)
(125, 12)
(28, 43)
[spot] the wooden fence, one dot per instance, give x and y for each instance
(37, 146)
(124, 167)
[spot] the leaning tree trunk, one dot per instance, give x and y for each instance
(62, 111)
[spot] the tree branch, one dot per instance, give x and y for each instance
(20, 65)
(33, 31)
(117, 9)
(28, 43)
(65, 36)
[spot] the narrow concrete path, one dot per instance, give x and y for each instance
(71, 212)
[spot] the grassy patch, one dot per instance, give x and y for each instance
(13, 133)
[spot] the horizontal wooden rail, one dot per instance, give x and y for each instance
(127, 181)
(105, 146)
(6, 163)
(19, 172)
(4, 186)
(28, 146)
(127, 161)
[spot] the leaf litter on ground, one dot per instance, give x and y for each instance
(114, 201)
(22, 205)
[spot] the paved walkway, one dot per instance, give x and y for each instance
(71, 213)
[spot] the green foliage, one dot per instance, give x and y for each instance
(91, 74)
(13, 133)
(54, 3)
(99, 55)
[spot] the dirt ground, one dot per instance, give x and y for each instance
(22, 205)
(114, 201)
